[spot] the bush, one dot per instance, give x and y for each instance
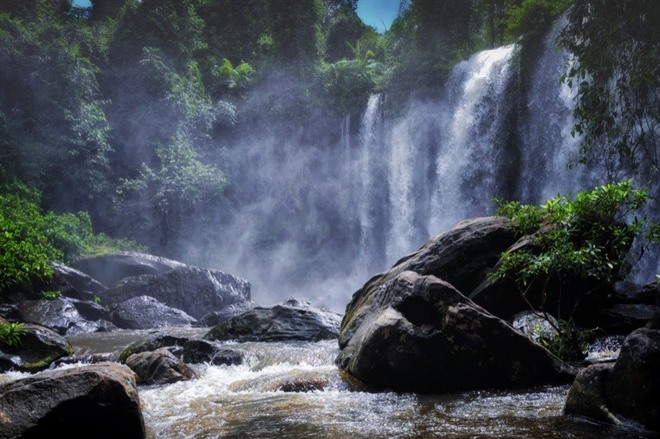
(31, 238)
(585, 238)
(10, 333)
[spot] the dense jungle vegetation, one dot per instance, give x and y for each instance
(122, 118)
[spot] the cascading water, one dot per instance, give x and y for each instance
(327, 216)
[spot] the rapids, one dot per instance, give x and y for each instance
(250, 400)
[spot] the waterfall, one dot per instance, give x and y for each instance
(469, 160)
(325, 215)
(371, 203)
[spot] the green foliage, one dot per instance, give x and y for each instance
(616, 74)
(30, 237)
(51, 295)
(10, 333)
(528, 16)
(588, 237)
(568, 342)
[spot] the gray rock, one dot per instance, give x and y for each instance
(99, 401)
(159, 367)
(196, 291)
(170, 342)
(204, 351)
(216, 317)
(418, 333)
(627, 391)
(38, 348)
(110, 269)
(77, 279)
(461, 256)
(624, 318)
(145, 312)
(61, 315)
(292, 320)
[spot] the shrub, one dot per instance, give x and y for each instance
(10, 333)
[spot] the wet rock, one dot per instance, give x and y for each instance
(418, 333)
(85, 359)
(110, 269)
(626, 317)
(196, 291)
(11, 313)
(172, 343)
(99, 401)
(159, 367)
(204, 351)
(38, 348)
(632, 293)
(60, 315)
(627, 391)
(145, 312)
(216, 317)
(80, 281)
(292, 320)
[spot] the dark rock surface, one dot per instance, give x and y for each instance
(62, 316)
(38, 348)
(145, 312)
(171, 342)
(205, 351)
(197, 291)
(159, 367)
(418, 333)
(627, 391)
(77, 279)
(461, 256)
(292, 320)
(216, 317)
(96, 401)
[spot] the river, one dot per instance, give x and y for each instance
(254, 400)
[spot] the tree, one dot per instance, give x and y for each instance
(616, 74)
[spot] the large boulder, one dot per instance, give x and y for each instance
(62, 315)
(99, 401)
(111, 268)
(292, 320)
(38, 348)
(628, 390)
(159, 367)
(80, 281)
(418, 333)
(462, 256)
(145, 312)
(197, 291)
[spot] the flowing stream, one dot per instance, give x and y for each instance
(258, 400)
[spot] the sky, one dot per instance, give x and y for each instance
(378, 13)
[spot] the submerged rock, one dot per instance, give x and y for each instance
(197, 291)
(623, 392)
(145, 312)
(99, 401)
(418, 333)
(292, 320)
(38, 348)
